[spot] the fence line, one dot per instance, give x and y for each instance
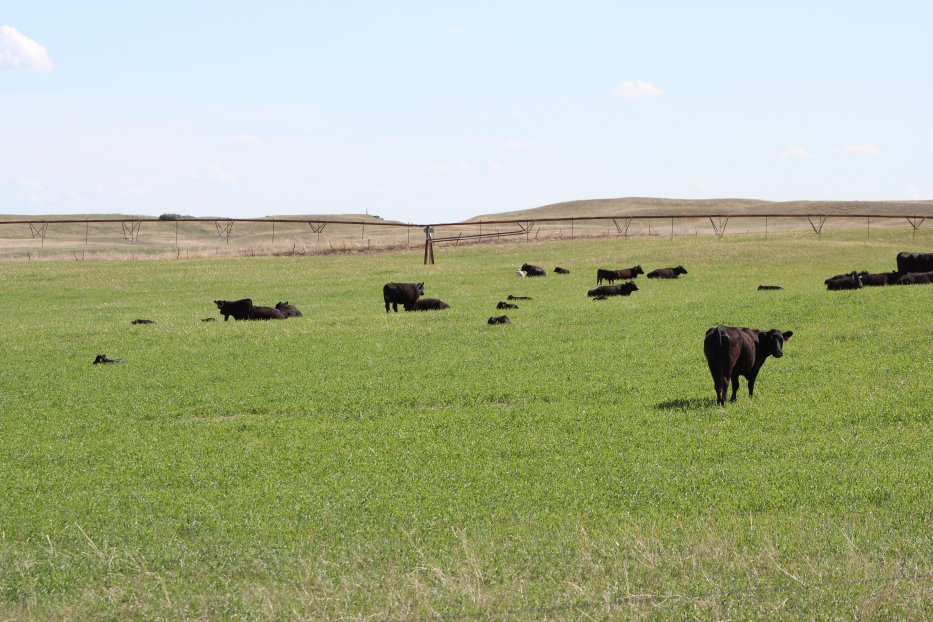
(344, 232)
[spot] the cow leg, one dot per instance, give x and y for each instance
(751, 383)
(387, 306)
(722, 390)
(735, 387)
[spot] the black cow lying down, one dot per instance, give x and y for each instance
(239, 309)
(560, 270)
(288, 310)
(880, 279)
(429, 304)
(106, 360)
(623, 289)
(667, 273)
(917, 278)
(511, 297)
(844, 281)
(143, 322)
(498, 319)
(732, 352)
(532, 270)
(766, 287)
(404, 294)
(265, 313)
(506, 305)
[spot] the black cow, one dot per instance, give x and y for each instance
(600, 297)
(845, 281)
(667, 273)
(506, 305)
(531, 270)
(839, 277)
(617, 275)
(429, 304)
(761, 287)
(732, 352)
(880, 279)
(560, 270)
(511, 297)
(265, 313)
(498, 319)
(288, 310)
(404, 294)
(914, 262)
(104, 359)
(916, 278)
(623, 289)
(143, 322)
(239, 309)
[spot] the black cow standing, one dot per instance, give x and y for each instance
(404, 294)
(667, 273)
(531, 270)
(239, 309)
(732, 352)
(623, 289)
(914, 262)
(617, 275)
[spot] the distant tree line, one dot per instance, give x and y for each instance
(172, 216)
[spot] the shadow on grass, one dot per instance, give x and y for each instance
(690, 403)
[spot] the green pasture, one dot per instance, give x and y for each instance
(353, 464)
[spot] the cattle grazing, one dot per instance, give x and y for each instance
(761, 287)
(732, 352)
(143, 322)
(531, 270)
(506, 305)
(617, 275)
(520, 274)
(511, 297)
(404, 294)
(880, 279)
(916, 278)
(560, 270)
(667, 273)
(106, 360)
(209, 319)
(429, 304)
(623, 289)
(265, 313)
(914, 262)
(288, 310)
(239, 309)
(498, 319)
(845, 281)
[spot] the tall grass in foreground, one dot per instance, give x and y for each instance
(573, 464)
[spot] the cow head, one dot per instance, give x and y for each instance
(638, 270)
(680, 270)
(420, 287)
(631, 286)
(220, 303)
(775, 341)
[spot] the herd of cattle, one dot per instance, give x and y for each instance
(912, 269)
(730, 351)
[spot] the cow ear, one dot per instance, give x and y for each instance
(787, 335)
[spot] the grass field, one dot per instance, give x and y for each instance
(572, 465)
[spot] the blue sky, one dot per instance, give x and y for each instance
(432, 111)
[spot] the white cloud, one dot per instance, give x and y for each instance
(449, 169)
(246, 139)
(865, 149)
(636, 90)
(511, 143)
(494, 166)
(215, 173)
(795, 152)
(19, 52)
